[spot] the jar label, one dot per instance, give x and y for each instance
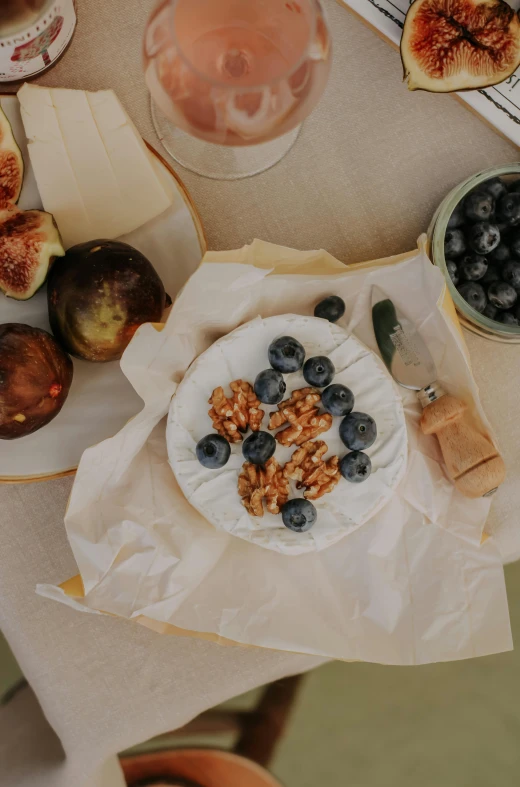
(36, 48)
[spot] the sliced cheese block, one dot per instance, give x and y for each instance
(94, 172)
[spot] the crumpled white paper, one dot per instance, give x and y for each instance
(413, 585)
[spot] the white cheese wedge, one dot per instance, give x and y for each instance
(242, 354)
(93, 170)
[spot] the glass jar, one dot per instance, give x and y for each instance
(33, 36)
(469, 317)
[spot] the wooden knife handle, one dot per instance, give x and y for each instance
(473, 463)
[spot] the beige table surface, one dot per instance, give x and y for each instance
(370, 167)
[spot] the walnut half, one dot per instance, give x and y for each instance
(231, 417)
(302, 414)
(256, 483)
(310, 471)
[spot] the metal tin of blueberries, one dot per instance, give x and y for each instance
(469, 317)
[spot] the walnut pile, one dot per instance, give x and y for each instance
(308, 468)
(256, 483)
(231, 417)
(302, 414)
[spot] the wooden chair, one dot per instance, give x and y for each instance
(258, 731)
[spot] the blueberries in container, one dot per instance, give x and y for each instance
(451, 265)
(483, 237)
(502, 295)
(474, 294)
(479, 206)
(454, 243)
(473, 267)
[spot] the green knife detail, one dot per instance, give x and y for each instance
(384, 319)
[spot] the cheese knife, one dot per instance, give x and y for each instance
(472, 461)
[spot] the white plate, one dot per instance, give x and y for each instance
(101, 399)
(242, 354)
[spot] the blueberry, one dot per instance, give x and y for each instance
(479, 206)
(515, 244)
(337, 399)
(496, 187)
(454, 243)
(508, 209)
(286, 355)
(213, 451)
(453, 271)
(299, 515)
(319, 371)
(500, 254)
(473, 267)
(331, 308)
(507, 318)
(270, 386)
(502, 295)
(483, 237)
(355, 467)
(358, 431)
(473, 293)
(490, 311)
(490, 275)
(259, 447)
(457, 218)
(511, 273)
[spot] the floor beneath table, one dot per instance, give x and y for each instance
(363, 725)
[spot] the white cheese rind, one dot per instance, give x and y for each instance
(93, 170)
(243, 354)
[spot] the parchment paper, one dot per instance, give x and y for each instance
(412, 585)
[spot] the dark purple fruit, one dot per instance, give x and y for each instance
(479, 206)
(473, 267)
(508, 209)
(457, 218)
(355, 467)
(270, 386)
(331, 308)
(490, 311)
(506, 318)
(483, 237)
(511, 273)
(213, 451)
(492, 274)
(515, 244)
(358, 431)
(495, 186)
(500, 254)
(259, 448)
(98, 295)
(502, 295)
(299, 515)
(473, 293)
(318, 371)
(286, 355)
(454, 243)
(35, 379)
(453, 271)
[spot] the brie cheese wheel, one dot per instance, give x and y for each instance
(242, 354)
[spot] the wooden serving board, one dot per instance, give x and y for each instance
(499, 106)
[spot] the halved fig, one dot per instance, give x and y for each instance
(35, 379)
(11, 165)
(29, 243)
(454, 45)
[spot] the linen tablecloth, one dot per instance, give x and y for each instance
(372, 163)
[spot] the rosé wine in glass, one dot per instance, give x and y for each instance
(235, 72)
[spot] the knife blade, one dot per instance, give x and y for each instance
(472, 461)
(402, 348)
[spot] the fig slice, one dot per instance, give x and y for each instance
(35, 379)
(29, 243)
(454, 45)
(11, 165)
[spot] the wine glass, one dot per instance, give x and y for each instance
(232, 80)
